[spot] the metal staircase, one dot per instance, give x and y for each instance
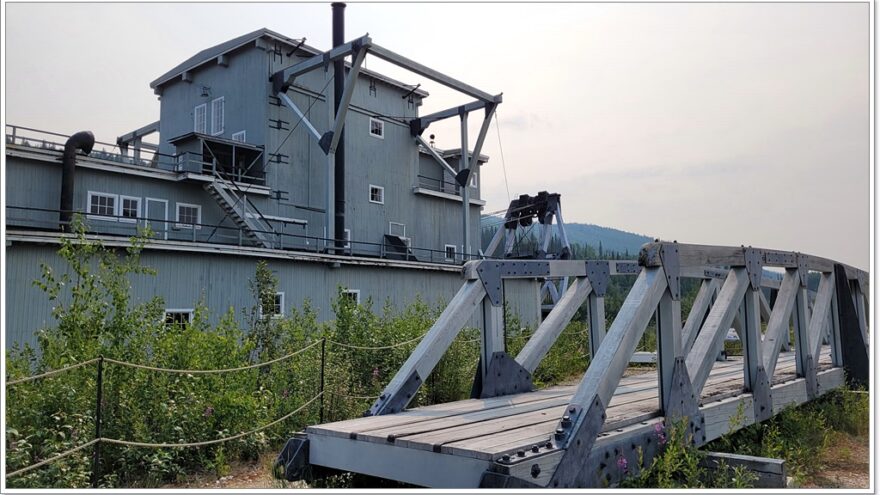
(242, 213)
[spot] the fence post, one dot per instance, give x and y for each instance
(323, 349)
(96, 459)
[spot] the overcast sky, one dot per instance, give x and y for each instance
(706, 123)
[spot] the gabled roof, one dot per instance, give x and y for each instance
(210, 55)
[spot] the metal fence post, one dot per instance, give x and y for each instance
(323, 355)
(96, 459)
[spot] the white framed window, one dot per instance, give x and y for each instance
(377, 194)
(129, 209)
(347, 239)
(178, 317)
(396, 228)
(240, 136)
(218, 107)
(188, 216)
(200, 118)
(353, 295)
(102, 206)
(377, 128)
(474, 181)
(450, 251)
(277, 309)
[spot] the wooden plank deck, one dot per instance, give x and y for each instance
(482, 429)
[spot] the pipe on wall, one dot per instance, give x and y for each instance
(85, 141)
(339, 163)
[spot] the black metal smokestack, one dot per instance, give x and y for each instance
(339, 165)
(84, 141)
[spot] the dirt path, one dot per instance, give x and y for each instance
(846, 460)
(255, 474)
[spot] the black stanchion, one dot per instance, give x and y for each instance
(96, 459)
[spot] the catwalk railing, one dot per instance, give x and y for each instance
(214, 233)
(686, 352)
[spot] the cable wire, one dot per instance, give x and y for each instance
(52, 459)
(50, 373)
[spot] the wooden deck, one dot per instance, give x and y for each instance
(482, 430)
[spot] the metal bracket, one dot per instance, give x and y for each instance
(577, 438)
(780, 258)
(394, 403)
(598, 273)
(671, 267)
(802, 269)
(325, 141)
(684, 404)
(504, 376)
(762, 396)
(293, 461)
(491, 275)
(754, 266)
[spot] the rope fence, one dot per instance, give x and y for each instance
(100, 361)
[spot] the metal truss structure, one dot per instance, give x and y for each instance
(513, 436)
(329, 140)
(545, 207)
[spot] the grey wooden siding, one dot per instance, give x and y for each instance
(221, 281)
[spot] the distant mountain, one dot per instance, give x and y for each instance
(591, 235)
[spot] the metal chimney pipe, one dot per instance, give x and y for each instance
(339, 164)
(84, 141)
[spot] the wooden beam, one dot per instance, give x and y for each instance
(702, 355)
(548, 331)
(444, 164)
(668, 346)
(606, 368)
(436, 76)
(707, 292)
(821, 310)
(350, 83)
(286, 76)
(777, 327)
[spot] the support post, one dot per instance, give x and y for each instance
(323, 365)
(803, 355)
(754, 375)
(465, 189)
(99, 398)
(668, 346)
(596, 305)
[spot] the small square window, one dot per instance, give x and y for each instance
(178, 317)
(450, 252)
(188, 216)
(353, 295)
(240, 136)
(129, 209)
(200, 118)
(474, 181)
(277, 306)
(102, 206)
(377, 194)
(347, 239)
(377, 128)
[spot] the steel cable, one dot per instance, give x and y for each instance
(50, 373)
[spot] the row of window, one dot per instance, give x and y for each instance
(120, 208)
(181, 317)
(218, 119)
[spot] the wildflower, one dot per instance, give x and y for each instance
(622, 463)
(659, 431)
(376, 372)
(209, 411)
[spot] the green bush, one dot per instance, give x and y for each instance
(95, 316)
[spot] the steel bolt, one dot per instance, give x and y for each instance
(520, 453)
(535, 448)
(505, 458)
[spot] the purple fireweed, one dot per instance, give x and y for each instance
(622, 463)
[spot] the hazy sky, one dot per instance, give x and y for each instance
(707, 123)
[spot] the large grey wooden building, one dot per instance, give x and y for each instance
(243, 170)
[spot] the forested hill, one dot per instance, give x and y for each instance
(601, 239)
